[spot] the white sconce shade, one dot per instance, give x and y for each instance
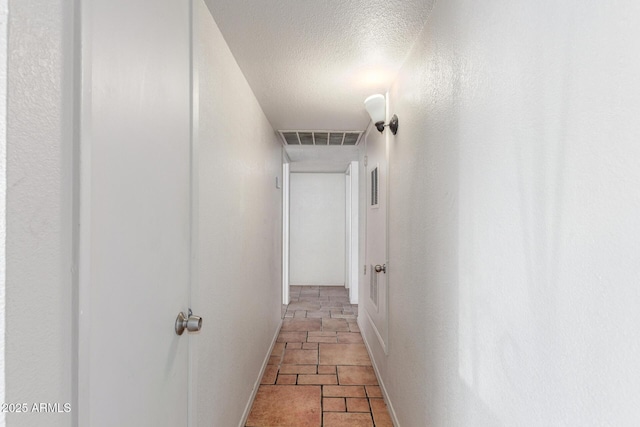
(375, 106)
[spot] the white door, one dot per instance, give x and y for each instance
(134, 212)
(375, 285)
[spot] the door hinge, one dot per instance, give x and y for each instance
(365, 269)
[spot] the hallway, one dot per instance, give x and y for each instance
(150, 149)
(319, 373)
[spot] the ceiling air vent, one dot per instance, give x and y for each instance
(316, 137)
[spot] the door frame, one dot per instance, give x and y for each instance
(352, 231)
(352, 243)
(194, 189)
(347, 229)
(285, 229)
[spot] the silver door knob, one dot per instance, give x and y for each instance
(191, 323)
(380, 268)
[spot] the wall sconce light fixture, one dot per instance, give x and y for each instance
(376, 107)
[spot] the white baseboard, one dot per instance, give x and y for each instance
(383, 389)
(265, 363)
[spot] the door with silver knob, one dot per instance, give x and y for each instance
(381, 268)
(191, 323)
(135, 206)
(376, 289)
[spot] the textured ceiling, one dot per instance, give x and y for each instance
(311, 63)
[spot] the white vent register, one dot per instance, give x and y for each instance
(327, 138)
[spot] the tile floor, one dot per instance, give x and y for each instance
(319, 372)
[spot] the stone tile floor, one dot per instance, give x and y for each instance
(319, 372)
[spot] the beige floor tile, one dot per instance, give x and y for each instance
(318, 314)
(275, 360)
(380, 413)
(332, 339)
(323, 334)
(346, 419)
(270, 374)
(357, 404)
(287, 379)
(343, 391)
(309, 293)
(286, 406)
(292, 337)
(342, 316)
(300, 357)
(344, 354)
(326, 369)
(349, 338)
(318, 379)
(278, 348)
(373, 391)
(333, 404)
(302, 324)
(334, 325)
(310, 346)
(294, 345)
(298, 369)
(356, 375)
(303, 305)
(334, 291)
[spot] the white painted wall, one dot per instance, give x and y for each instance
(353, 261)
(347, 223)
(4, 16)
(38, 353)
(514, 236)
(239, 282)
(317, 229)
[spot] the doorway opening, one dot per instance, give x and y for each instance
(320, 229)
